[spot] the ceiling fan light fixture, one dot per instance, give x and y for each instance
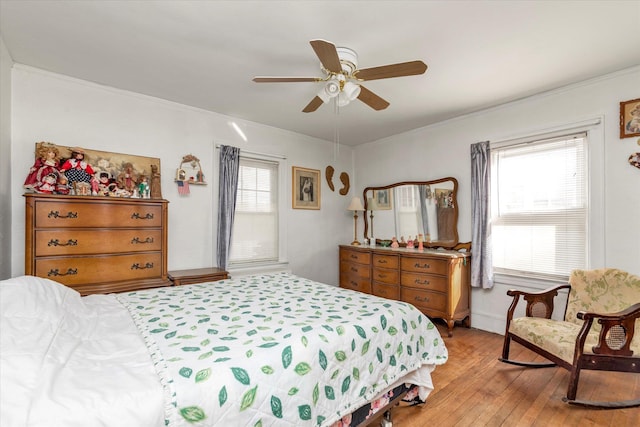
(332, 88)
(350, 91)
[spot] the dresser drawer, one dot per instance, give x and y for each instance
(59, 214)
(425, 281)
(425, 299)
(86, 242)
(351, 268)
(385, 261)
(355, 283)
(347, 255)
(386, 291)
(100, 269)
(425, 265)
(386, 276)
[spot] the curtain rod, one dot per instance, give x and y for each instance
(255, 153)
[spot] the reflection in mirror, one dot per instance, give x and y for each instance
(407, 209)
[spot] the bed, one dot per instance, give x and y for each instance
(263, 350)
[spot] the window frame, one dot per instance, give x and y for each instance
(247, 266)
(594, 180)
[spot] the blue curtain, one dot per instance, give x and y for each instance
(228, 187)
(481, 261)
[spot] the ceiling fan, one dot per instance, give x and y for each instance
(342, 77)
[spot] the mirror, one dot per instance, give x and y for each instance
(407, 209)
(190, 170)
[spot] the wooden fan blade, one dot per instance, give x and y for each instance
(371, 99)
(261, 79)
(313, 105)
(327, 54)
(402, 69)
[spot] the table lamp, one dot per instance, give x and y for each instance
(355, 206)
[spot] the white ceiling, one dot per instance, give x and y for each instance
(205, 53)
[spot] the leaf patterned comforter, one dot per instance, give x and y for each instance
(279, 350)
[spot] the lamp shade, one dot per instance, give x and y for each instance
(372, 205)
(350, 91)
(355, 205)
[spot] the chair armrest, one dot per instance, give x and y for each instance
(539, 304)
(616, 333)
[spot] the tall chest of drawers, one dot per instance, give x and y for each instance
(97, 244)
(436, 282)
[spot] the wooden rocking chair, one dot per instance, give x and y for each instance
(597, 333)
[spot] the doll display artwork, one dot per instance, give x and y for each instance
(76, 171)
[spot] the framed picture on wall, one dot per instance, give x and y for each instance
(383, 199)
(305, 188)
(630, 118)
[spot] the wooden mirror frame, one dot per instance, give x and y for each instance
(449, 244)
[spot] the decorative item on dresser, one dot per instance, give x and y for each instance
(97, 244)
(197, 275)
(436, 281)
(355, 206)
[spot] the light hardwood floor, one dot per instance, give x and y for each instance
(475, 389)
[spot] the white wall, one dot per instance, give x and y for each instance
(443, 150)
(5, 161)
(71, 112)
(77, 113)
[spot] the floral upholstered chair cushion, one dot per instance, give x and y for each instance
(601, 291)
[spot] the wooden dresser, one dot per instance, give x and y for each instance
(435, 281)
(97, 244)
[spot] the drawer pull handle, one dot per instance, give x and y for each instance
(354, 284)
(138, 216)
(137, 240)
(56, 272)
(381, 276)
(419, 299)
(353, 256)
(382, 261)
(56, 242)
(418, 265)
(421, 282)
(137, 266)
(354, 269)
(56, 214)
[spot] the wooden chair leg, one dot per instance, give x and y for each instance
(572, 389)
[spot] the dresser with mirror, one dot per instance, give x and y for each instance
(433, 276)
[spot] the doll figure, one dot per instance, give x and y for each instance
(420, 246)
(104, 183)
(47, 161)
(156, 192)
(143, 187)
(128, 178)
(63, 185)
(76, 169)
(48, 185)
(394, 243)
(410, 243)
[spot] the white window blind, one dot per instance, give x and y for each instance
(255, 224)
(539, 207)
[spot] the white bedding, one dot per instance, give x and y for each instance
(107, 360)
(71, 361)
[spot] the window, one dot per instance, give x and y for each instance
(539, 207)
(255, 225)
